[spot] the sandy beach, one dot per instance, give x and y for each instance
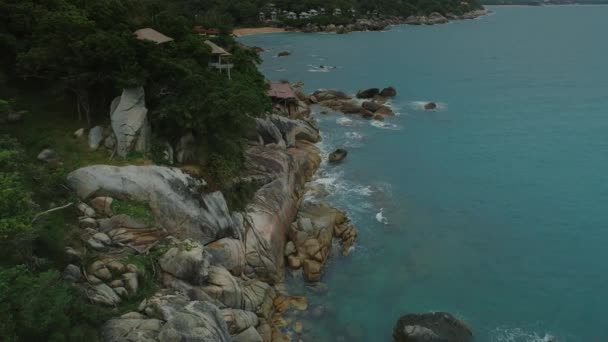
(256, 30)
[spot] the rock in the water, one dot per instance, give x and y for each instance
(188, 261)
(433, 327)
(368, 93)
(338, 155)
(283, 54)
(430, 106)
(129, 122)
(48, 155)
(174, 197)
(95, 137)
(325, 95)
(385, 110)
(388, 92)
(371, 106)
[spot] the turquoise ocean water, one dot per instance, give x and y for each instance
(497, 202)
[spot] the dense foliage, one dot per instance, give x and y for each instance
(37, 305)
(86, 51)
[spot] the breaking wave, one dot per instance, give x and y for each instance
(519, 335)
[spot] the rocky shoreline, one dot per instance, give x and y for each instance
(382, 24)
(220, 272)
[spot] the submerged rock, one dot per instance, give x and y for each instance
(431, 327)
(338, 155)
(430, 106)
(283, 54)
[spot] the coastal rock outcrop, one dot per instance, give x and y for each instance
(433, 327)
(174, 197)
(311, 238)
(275, 204)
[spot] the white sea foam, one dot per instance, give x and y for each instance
(354, 135)
(384, 125)
(519, 335)
(346, 122)
(419, 105)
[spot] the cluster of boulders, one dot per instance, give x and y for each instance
(311, 236)
(104, 231)
(106, 282)
(374, 106)
(380, 24)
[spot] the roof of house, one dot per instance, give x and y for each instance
(216, 50)
(281, 91)
(152, 35)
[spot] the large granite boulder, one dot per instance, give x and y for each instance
(235, 293)
(187, 260)
(293, 130)
(175, 198)
(228, 253)
(129, 122)
(196, 322)
(431, 327)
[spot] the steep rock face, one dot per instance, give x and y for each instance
(275, 204)
(433, 327)
(173, 196)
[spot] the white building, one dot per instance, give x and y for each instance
(337, 12)
(291, 15)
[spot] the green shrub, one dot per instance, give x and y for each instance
(5, 107)
(137, 210)
(42, 307)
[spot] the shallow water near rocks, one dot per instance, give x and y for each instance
(496, 202)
